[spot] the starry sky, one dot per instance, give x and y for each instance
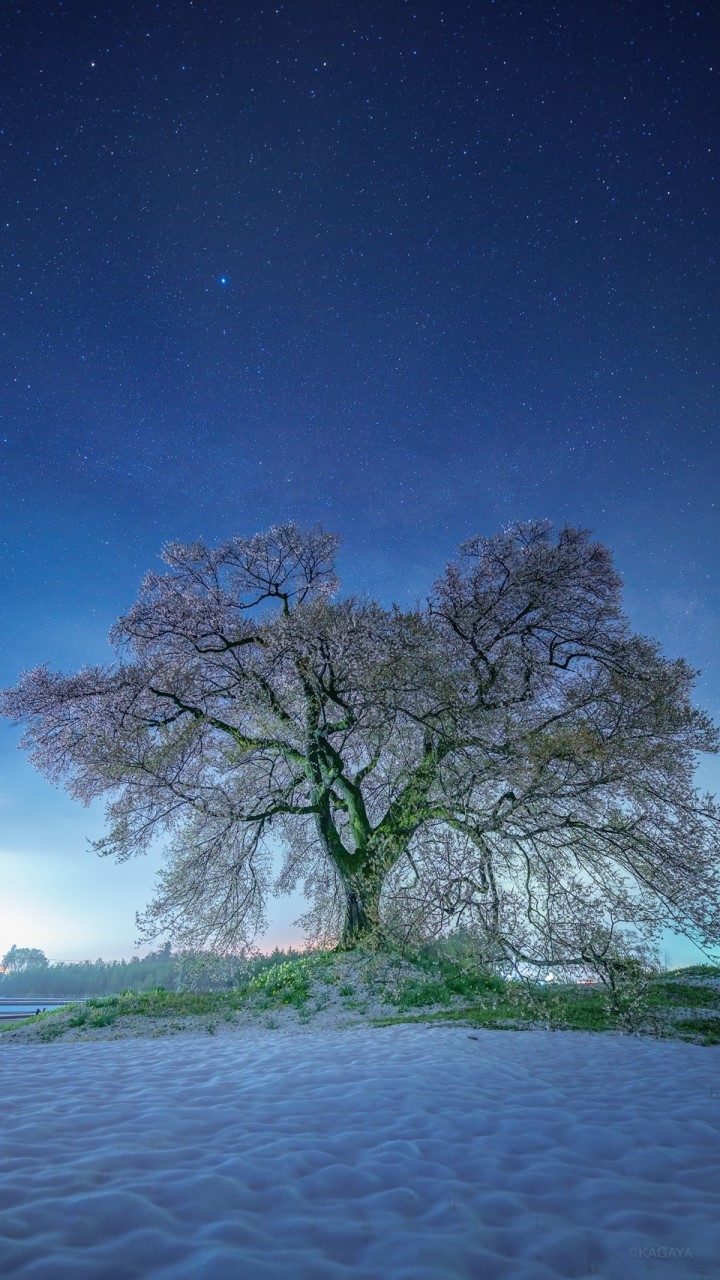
(414, 270)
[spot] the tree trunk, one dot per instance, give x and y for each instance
(362, 900)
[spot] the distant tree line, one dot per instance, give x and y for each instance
(28, 972)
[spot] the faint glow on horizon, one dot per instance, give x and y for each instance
(82, 907)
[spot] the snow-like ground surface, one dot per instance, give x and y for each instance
(394, 1153)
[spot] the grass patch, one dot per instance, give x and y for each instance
(694, 971)
(287, 983)
(509, 1006)
(101, 1019)
(683, 993)
(575, 1009)
(79, 1019)
(358, 1005)
(707, 1029)
(473, 1018)
(50, 1031)
(413, 994)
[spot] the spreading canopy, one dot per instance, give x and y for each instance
(509, 754)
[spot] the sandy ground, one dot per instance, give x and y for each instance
(407, 1152)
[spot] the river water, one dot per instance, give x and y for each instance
(25, 1007)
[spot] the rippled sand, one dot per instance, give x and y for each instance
(411, 1152)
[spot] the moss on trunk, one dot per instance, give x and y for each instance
(362, 919)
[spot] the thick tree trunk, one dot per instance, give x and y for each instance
(362, 901)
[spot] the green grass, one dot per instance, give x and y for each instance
(683, 993)
(708, 1029)
(50, 1031)
(287, 983)
(506, 1005)
(694, 971)
(444, 977)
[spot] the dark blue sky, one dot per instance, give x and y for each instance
(412, 270)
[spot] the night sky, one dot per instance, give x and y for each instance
(414, 270)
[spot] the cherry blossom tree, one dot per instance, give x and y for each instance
(509, 755)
